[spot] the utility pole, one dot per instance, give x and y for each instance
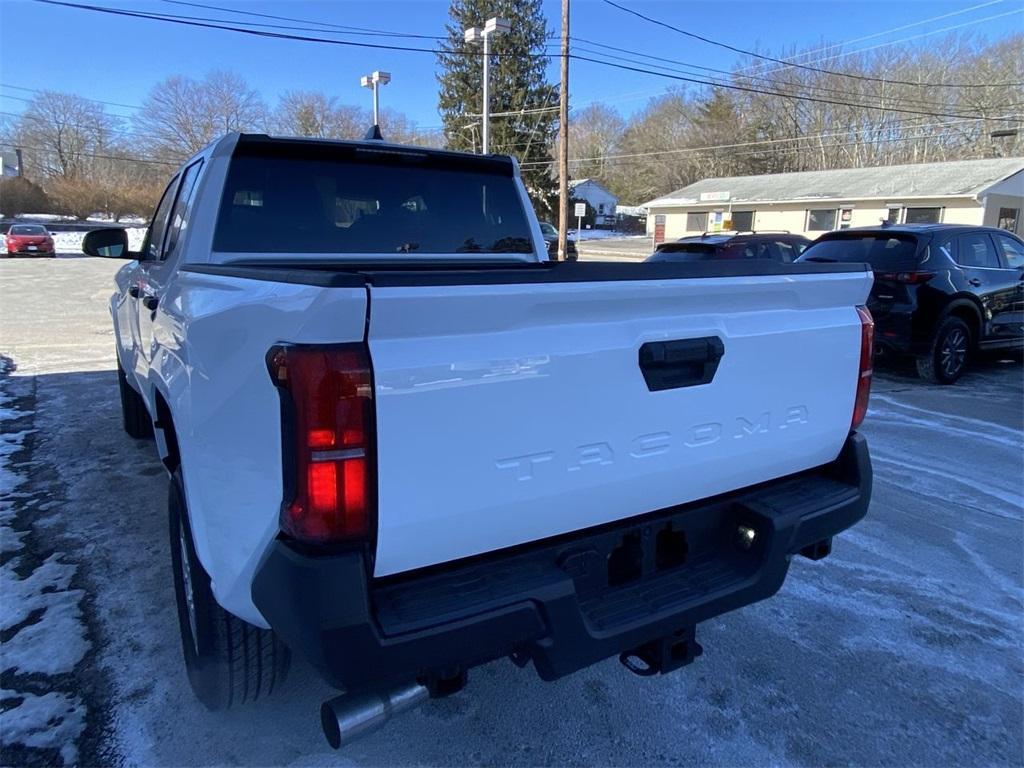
(563, 139)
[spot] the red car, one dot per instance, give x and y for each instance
(29, 240)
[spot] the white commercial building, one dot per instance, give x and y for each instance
(989, 192)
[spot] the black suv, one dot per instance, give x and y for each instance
(941, 291)
(550, 232)
(777, 246)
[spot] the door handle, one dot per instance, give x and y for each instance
(974, 281)
(680, 363)
(150, 302)
(134, 291)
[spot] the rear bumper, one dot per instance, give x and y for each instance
(551, 602)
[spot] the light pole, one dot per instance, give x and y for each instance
(493, 26)
(374, 81)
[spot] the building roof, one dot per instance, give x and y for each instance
(961, 178)
(631, 210)
(580, 182)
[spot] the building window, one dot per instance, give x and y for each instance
(893, 216)
(922, 216)
(1008, 218)
(743, 221)
(821, 219)
(697, 222)
(600, 209)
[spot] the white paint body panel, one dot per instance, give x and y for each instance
(511, 413)
(472, 379)
(213, 334)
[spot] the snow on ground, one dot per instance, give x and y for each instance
(70, 243)
(40, 614)
(903, 647)
(602, 234)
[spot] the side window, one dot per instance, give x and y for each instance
(1013, 251)
(158, 226)
(179, 217)
(786, 251)
(976, 250)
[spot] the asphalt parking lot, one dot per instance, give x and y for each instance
(905, 647)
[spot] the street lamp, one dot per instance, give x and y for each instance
(373, 81)
(475, 34)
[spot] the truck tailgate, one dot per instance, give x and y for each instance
(509, 412)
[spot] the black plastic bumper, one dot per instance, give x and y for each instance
(551, 602)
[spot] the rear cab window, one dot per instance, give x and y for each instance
(348, 200)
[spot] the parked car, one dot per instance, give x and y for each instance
(403, 443)
(29, 240)
(777, 246)
(550, 233)
(941, 291)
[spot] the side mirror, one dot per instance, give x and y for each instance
(109, 243)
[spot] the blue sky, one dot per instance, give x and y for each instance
(119, 59)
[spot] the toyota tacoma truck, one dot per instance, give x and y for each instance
(403, 443)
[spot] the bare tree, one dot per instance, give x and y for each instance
(594, 134)
(60, 134)
(181, 115)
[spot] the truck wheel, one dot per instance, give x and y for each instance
(134, 415)
(947, 357)
(229, 661)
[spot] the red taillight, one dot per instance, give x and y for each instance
(912, 278)
(328, 419)
(867, 349)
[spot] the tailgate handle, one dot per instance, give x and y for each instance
(682, 363)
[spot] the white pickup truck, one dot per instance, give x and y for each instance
(402, 443)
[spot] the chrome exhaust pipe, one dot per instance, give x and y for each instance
(350, 716)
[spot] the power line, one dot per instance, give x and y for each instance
(844, 54)
(761, 142)
(279, 35)
(722, 83)
(745, 52)
(289, 26)
(633, 95)
(885, 32)
(190, 22)
(91, 154)
(35, 90)
(763, 92)
(342, 27)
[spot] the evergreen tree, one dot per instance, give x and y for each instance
(517, 82)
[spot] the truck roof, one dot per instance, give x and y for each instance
(258, 139)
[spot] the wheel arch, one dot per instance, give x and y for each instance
(170, 453)
(967, 310)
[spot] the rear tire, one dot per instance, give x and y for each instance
(134, 416)
(229, 661)
(948, 354)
